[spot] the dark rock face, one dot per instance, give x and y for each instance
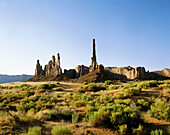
(71, 73)
(81, 70)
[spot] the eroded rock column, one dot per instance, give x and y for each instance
(38, 69)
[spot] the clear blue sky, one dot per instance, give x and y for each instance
(127, 32)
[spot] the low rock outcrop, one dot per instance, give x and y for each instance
(130, 72)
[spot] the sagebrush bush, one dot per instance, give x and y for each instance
(46, 86)
(61, 130)
(75, 117)
(33, 131)
(58, 89)
(25, 85)
(161, 110)
(98, 118)
(132, 91)
(146, 84)
(123, 129)
(113, 87)
(157, 132)
(108, 82)
(164, 86)
(89, 109)
(91, 88)
(59, 114)
(115, 116)
(29, 93)
(168, 129)
(78, 103)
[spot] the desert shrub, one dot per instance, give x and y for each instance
(61, 130)
(29, 93)
(123, 129)
(46, 86)
(156, 132)
(167, 90)
(25, 85)
(16, 87)
(108, 82)
(168, 129)
(166, 81)
(76, 96)
(85, 83)
(146, 84)
(28, 106)
(28, 120)
(99, 118)
(164, 86)
(123, 114)
(89, 109)
(35, 102)
(31, 98)
(75, 117)
(123, 101)
(58, 89)
(143, 103)
(120, 95)
(113, 87)
(138, 131)
(91, 88)
(160, 110)
(59, 114)
(81, 90)
(56, 96)
(33, 131)
(78, 103)
(115, 116)
(132, 91)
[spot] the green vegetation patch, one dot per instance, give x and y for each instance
(92, 87)
(61, 130)
(160, 110)
(46, 86)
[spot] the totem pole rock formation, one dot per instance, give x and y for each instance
(94, 64)
(93, 58)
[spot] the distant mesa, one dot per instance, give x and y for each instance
(14, 78)
(95, 72)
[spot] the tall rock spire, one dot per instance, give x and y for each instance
(94, 54)
(58, 59)
(38, 69)
(93, 58)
